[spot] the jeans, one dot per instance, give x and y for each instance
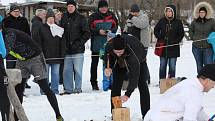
(73, 65)
(54, 76)
(163, 66)
(202, 56)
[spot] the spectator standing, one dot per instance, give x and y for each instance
(138, 25)
(200, 28)
(37, 23)
(169, 30)
(15, 20)
(100, 22)
(52, 47)
(76, 34)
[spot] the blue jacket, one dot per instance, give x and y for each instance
(211, 40)
(2, 46)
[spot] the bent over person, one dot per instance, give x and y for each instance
(127, 58)
(184, 101)
(30, 61)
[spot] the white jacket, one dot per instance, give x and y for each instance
(182, 102)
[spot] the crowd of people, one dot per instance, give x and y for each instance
(56, 43)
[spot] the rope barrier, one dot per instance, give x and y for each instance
(99, 55)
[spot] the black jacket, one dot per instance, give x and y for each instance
(133, 56)
(20, 43)
(170, 31)
(99, 21)
(76, 32)
(37, 23)
(52, 47)
(19, 23)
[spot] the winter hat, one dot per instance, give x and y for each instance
(50, 13)
(203, 9)
(135, 8)
(71, 2)
(208, 71)
(118, 43)
(14, 7)
(102, 3)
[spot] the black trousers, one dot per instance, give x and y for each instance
(93, 69)
(4, 101)
(118, 77)
(45, 88)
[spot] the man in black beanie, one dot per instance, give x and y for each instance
(76, 34)
(184, 101)
(127, 57)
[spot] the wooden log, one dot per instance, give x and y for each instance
(121, 114)
(14, 76)
(11, 115)
(165, 84)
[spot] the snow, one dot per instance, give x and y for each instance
(95, 105)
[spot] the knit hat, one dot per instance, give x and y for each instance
(14, 7)
(71, 2)
(50, 13)
(208, 71)
(203, 9)
(102, 3)
(118, 43)
(135, 8)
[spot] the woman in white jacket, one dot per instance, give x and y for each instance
(184, 101)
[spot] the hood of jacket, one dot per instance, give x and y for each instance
(173, 8)
(207, 6)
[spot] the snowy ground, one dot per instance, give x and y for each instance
(95, 105)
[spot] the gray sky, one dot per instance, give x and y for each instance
(6, 2)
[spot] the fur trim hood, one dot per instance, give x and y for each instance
(173, 8)
(209, 8)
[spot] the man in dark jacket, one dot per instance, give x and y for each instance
(169, 31)
(127, 57)
(100, 22)
(76, 34)
(15, 21)
(30, 61)
(37, 23)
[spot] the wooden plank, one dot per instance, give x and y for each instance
(14, 77)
